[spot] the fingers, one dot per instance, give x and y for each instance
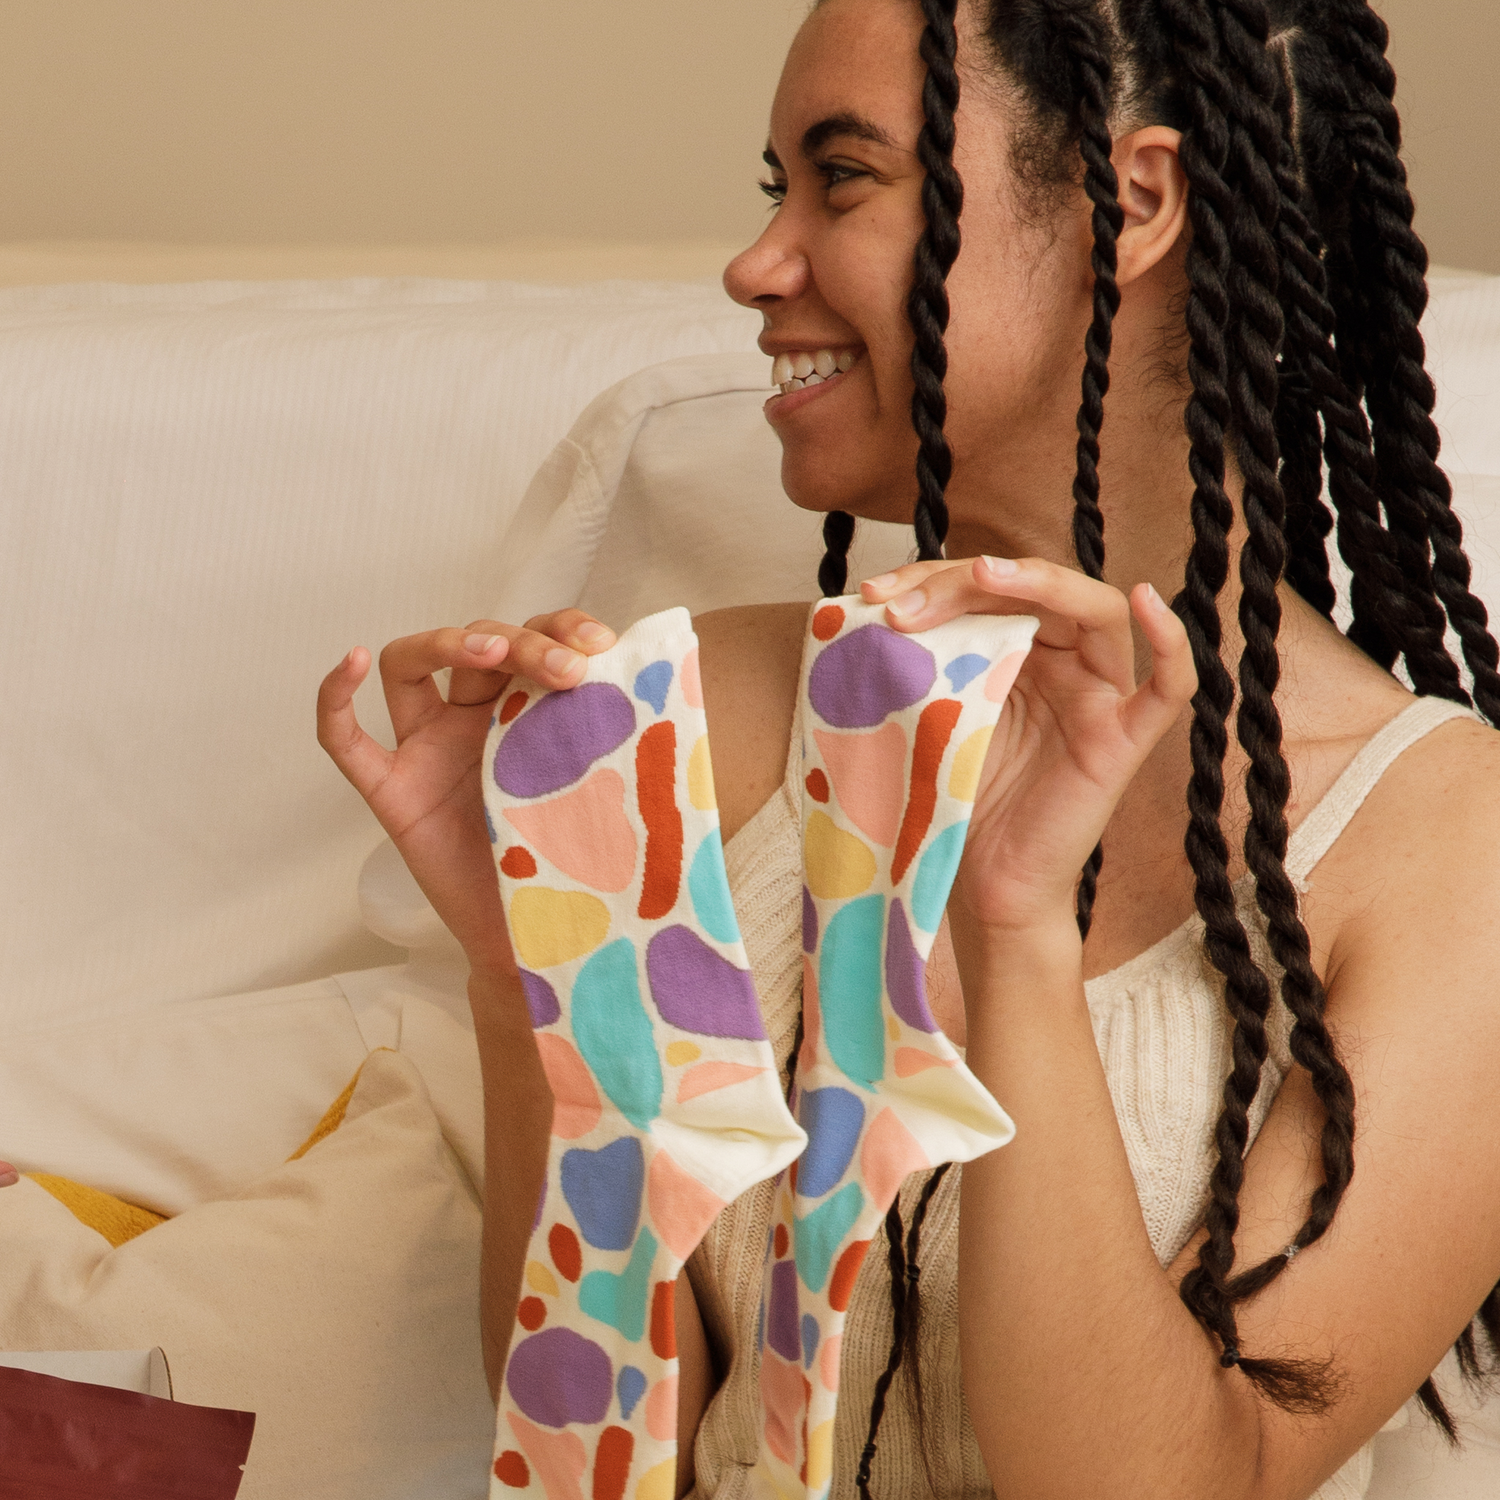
(1153, 708)
(549, 649)
(365, 762)
(9, 1177)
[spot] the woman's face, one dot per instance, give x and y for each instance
(832, 270)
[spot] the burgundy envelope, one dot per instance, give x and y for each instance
(62, 1440)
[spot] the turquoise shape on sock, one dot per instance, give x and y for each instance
(929, 894)
(619, 1298)
(820, 1234)
(962, 670)
(614, 1032)
(708, 885)
(849, 988)
(630, 1387)
(651, 684)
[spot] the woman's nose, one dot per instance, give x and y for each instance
(772, 270)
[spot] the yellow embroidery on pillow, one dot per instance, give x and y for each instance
(117, 1220)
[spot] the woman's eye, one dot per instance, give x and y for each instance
(775, 191)
(836, 174)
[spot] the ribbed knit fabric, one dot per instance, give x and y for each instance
(1163, 1034)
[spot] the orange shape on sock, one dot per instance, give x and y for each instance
(584, 832)
(890, 1153)
(656, 792)
(934, 729)
(828, 622)
(612, 1463)
(681, 1207)
(909, 1061)
(707, 1077)
(575, 1099)
(567, 1253)
(869, 776)
(558, 1457)
(661, 1409)
(664, 1320)
(511, 1469)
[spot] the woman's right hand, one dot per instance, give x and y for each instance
(426, 792)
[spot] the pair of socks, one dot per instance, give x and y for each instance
(668, 1104)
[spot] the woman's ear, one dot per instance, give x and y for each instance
(1153, 194)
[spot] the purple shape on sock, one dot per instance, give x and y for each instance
(541, 999)
(832, 1118)
(869, 674)
(560, 736)
(782, 1332)
(809, 922)
(905, 976)
(700, 990)
(557, 1376)
(541, 1203)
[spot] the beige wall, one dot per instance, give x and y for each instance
(475, 120)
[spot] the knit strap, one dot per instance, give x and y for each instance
(1317, 832)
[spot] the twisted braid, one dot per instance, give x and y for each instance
(927, 304)
(838, 536)
(1088, 45)
(1399, 392)
(1309, 522)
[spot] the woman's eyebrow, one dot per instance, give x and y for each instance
(816, 136)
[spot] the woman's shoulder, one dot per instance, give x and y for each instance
(750, 658)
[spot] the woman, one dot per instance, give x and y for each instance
(1169, 1284)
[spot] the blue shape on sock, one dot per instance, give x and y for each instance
(832, 1119)
(821, 1233)
(964, 669)
(849, 988)
(614, 1033)
(708, 885)
(603, 1188)
(630, 1387)
(619, 1299)
(489, 824)
(809, 1340)
(651, 684)
(929, 893)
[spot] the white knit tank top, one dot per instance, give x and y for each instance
(1164, 1036)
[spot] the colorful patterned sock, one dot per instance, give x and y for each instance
(602, 811)
(895, 729)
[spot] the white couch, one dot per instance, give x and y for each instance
(208, 492)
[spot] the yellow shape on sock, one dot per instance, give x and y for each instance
(554, 927)
(117, 1220)
(540, 1279)
(679, 1053)
(659, 1483)
(819, 1456)
(838, 864)
(700, 777)
(968, 761)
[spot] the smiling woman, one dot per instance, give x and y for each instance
(1096, 296)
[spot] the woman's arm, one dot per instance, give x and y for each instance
(1084, 1373)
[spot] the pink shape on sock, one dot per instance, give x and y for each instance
(576, 1107)
(828, 1361)
(585, 832)
(869, 778)
(889, 1154)
(681, 1207)
(558, 1457)
(661, 1409)
(811, 1016)
(707, 1077)
(1002, 677)
(909, 1061)
(784, 1393)
(691, 679)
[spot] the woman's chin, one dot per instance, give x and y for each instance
(815, 486)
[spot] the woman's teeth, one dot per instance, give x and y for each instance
(794, 371)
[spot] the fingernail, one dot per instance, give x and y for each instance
(908, 604)
(478, 645)
(1154, 599)
(591, 634)
(559, 661)
(885, 581)
(1001, 567)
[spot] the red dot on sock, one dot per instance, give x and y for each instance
(612, 1463)
(512, 706)
(828, 622)
(567, 1255)
(518, 863)
(511, 1469)
(532, 1313)
(841, 1286)
(781, 1241)
(664, 1320)
(817, 784)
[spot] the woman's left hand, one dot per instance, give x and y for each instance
(1075, 729)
